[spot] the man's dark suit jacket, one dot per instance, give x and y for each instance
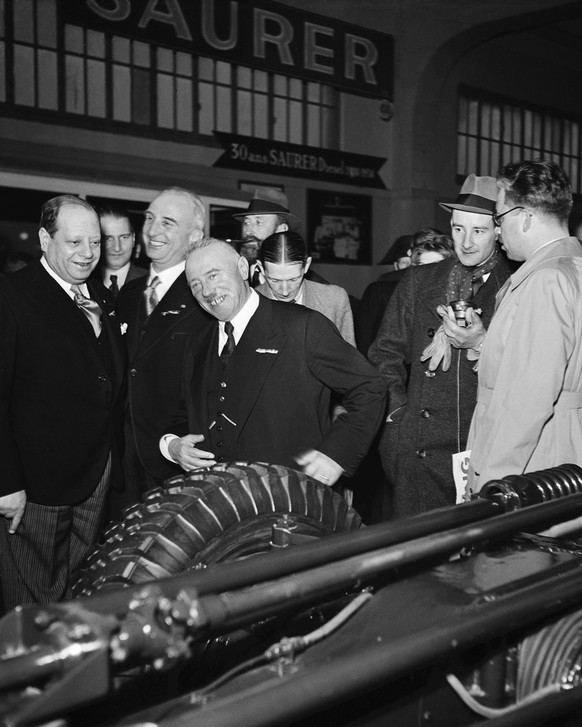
(60, 409)
(279, 379)
(155, 351)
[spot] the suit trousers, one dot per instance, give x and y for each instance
(38, 562)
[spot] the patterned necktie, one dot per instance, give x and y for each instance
(230, 344)
(150, 296)
(113, 287)
(90, 308)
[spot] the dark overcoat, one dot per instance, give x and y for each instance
(430, 412)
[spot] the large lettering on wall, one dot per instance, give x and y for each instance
(257, 33)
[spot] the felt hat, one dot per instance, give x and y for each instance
(478, 195)
(269, 201)
(399, 249)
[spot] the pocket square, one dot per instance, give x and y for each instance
(123, 328)
(267, 350)
(171, 312)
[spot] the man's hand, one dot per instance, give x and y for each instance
(12, 507)
(460, 336)
(319, 466)
(187, 455)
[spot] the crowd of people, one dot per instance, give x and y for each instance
(463, 363)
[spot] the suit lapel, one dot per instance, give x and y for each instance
(170, 312)
(61, 312)
(111, 325)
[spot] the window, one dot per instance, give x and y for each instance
(493, 132)
(105, 80)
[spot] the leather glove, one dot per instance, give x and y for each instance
(438, 351)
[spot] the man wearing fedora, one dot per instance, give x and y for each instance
(428, 360)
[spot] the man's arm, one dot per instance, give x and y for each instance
(344, 370)
(391, 351)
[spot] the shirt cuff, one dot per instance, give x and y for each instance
(165, 446)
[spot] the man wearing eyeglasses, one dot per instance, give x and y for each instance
(529, 407)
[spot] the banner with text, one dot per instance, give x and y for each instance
(294, 160)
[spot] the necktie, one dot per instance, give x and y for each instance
(89, 307)
(113, 287)
(150, 296)
(230, 344)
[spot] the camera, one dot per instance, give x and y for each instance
(460, 308)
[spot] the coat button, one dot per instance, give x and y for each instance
(429, 374)
(219, 444)
(223, 384)
(430, 333)
(218, 413)
(420, 453)
(221, 398)
(425, 413)
(219, 428)
(102, 378)
(133, 372)
(220, 459)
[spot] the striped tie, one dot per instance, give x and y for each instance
(90, 308)
(150, 296)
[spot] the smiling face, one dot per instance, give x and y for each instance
(171, 223)
(473, 237)
(218, 277)
(118, 239)
(74, 249)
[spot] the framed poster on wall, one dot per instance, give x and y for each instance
(339, 227)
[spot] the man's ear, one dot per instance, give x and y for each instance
(243, 267)
(307, 265)
(195, 236)
(44, 238)
(260, 266)
(283, 227)
(527, 223)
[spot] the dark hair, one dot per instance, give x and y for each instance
(283, 247)
(114, 210)
(538, 184)
(442, 244)
(49, 212)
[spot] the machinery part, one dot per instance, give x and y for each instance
(224, 512)
(533, 488)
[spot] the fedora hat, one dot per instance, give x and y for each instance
(478, 195)
(270, 201)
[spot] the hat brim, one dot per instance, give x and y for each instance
(294, 223)
(450, 206)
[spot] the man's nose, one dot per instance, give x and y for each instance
(116, 244)
(86, 250)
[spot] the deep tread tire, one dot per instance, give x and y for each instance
(208, 516)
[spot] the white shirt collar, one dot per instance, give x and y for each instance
(240, 320)
(166, 277)
(120, 272)
(63, 283)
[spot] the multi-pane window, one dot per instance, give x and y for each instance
(251, 102)
(494, 132)
(104, 78)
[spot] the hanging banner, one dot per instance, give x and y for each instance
(298, 160)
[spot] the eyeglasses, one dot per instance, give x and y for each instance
(497, 218)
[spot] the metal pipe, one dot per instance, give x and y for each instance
(306, 692)
(241, 573)
(239, 608)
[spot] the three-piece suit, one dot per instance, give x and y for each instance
(272, 400)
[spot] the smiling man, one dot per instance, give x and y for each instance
(261, 376)
(529, 409)
(160, 314)
(61, 374)
(427, 359)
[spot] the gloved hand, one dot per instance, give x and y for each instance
(437, 351)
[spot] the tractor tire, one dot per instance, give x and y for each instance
(211, 515)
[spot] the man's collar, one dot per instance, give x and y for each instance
(66, 286)
(169, 274)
